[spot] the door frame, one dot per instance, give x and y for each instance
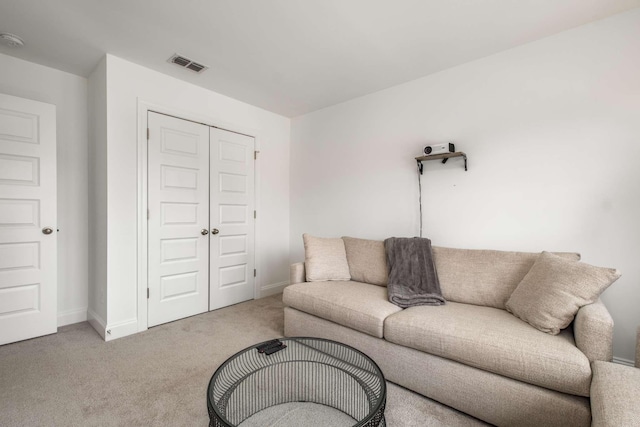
(144, 107)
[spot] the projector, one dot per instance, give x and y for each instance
(430, 150)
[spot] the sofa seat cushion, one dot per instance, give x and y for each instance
(356, 305)
(496, 341)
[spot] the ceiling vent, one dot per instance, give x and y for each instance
(187, 63)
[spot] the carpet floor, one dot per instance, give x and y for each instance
(155, 378)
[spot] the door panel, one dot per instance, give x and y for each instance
(178, 202)
(28, 257)
(231, 212)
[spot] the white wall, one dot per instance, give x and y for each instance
(128, 83)
(69, 94)
(97, 92)
(552, 130)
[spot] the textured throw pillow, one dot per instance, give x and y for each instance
(553, 291)
(367, 261)
(325, 259)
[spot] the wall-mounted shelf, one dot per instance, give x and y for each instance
(444, 157)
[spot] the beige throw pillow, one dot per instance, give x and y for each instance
(325, 259)
(367, 261)
(553, 291)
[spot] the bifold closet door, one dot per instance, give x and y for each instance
(232, 187)
(178, 218)
(28, 231)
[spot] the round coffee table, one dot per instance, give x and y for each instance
(309, 381)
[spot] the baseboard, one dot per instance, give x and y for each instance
(70, 317)
(622, 361)
(121, 329)
(97, 322)
(112, 331)
(272, 289)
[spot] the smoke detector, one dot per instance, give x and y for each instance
(11, 40)
(187, 63)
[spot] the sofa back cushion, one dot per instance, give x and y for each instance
(483, 277)
(367, 261)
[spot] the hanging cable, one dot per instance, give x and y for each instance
(420, 194)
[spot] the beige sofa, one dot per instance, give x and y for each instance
(470, 354)
(615, 393)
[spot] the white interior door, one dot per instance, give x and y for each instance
(232, 219)
(178, 218)
(28, 241)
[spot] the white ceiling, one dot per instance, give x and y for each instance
(288, 56)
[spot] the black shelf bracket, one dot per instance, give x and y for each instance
(444, 157)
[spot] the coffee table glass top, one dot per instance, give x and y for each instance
(307, 381)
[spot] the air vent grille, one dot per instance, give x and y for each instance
(187, 63)
(194, 66)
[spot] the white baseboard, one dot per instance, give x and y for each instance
(97, 322)
(272, 289)
(70, 317)
(121, 329)
(113, 331)
(622, 361)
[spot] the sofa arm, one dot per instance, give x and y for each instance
(297, 273)
(614, 395)
(593, 331)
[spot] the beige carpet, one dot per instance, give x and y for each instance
(155, 378)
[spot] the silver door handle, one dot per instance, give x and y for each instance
(47, 230)
(215, 231)
(204, 231)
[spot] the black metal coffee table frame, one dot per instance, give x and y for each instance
(308, 370)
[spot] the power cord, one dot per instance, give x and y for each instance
(420, 194)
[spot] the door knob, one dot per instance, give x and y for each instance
(47, 230)
(204, 231)
(215, 231)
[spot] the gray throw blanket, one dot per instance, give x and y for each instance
(413, 279)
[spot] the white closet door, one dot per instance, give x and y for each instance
(232, 218)
(28, 240)
(178, 202)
